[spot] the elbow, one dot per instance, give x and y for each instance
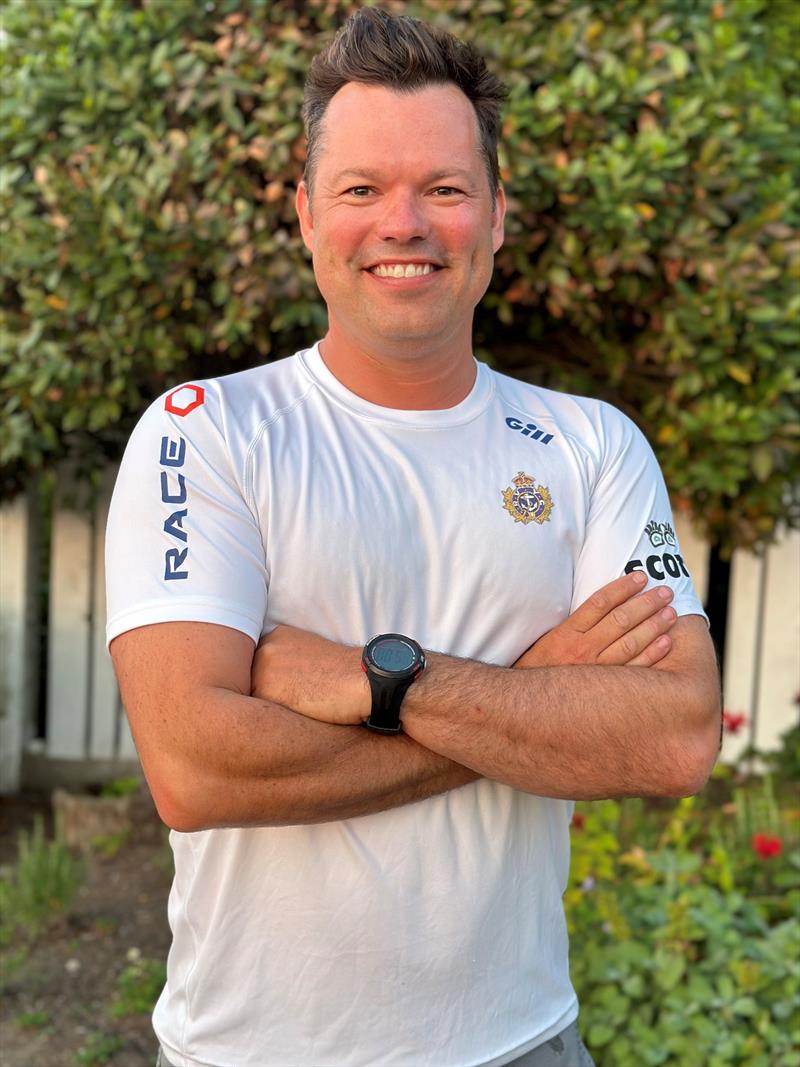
(174, 814)
(177, 805)
(191, 800)
(180, 820)
(692, 781)
(693, 764)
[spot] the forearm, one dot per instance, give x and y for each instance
(248, 762)
(560, 723)
(577, 732)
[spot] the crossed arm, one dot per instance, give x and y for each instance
(590, 720)
(580, 732)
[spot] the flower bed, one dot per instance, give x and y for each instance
(684, 923)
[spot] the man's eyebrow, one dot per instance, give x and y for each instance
(375, 175)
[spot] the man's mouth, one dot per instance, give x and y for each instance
(402, 270)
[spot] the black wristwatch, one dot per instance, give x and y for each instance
(391, 662)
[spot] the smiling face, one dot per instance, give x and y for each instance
(401, 226)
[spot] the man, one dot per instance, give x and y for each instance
(346, 896)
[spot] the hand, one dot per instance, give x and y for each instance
(311, 675)
(614, 627)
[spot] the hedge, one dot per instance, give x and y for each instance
(653, 249)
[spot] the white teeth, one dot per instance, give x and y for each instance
(399, 270)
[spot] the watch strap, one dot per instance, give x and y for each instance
(387, 696)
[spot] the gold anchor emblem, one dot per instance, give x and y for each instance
(528, 502)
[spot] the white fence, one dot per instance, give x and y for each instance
(86, 734)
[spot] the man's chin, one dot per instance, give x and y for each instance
(405, 333)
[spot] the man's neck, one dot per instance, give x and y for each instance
(423, 382)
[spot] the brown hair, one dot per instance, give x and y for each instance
(403, 54)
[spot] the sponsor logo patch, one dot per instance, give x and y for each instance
(184, 399)
(661, 566)
(173, 491)
(660, 533)
(526, 501)
(529, 429)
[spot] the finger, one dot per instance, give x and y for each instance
(636, 640)
(654, 652)
(625, 617)
(606, 598)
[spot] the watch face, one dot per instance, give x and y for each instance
(393, 654)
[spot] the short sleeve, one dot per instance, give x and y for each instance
(182, 543)
(629, 523)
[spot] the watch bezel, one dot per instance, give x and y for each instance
(415, 667)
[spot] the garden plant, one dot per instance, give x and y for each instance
(685, 919)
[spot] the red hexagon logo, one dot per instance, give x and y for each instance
(185, 399)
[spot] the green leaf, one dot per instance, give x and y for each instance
(679, 62)
(669, 970)
(634, 986)
(762, 313)
(744, 1006)
(739, 373)
(599, 1035)
(762, 462)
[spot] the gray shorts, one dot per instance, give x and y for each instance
(564, 1050)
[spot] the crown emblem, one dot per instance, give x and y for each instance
(527, 502)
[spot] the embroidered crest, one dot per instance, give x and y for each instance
(527, 502)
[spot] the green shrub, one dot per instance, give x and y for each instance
(685, 939)
(688, 976)
(108, 845)
(139, 986)
(41, 885)
(152, 152)
(99, 1049)
(32, 1020)
(121, 787)
(785, 760)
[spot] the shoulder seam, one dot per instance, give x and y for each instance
(262, 427)
(567, 435)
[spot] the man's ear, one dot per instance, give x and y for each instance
(498, 216)
(303, 208)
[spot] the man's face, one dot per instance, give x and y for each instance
(400, 180)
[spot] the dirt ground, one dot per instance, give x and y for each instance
(57, 993)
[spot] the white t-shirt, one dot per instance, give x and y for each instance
(431, 934)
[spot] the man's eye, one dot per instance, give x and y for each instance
(359, 191)
(447, 189)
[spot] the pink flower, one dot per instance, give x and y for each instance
(766, 845)
(733, 721)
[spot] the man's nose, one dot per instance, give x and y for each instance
(404, 218)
